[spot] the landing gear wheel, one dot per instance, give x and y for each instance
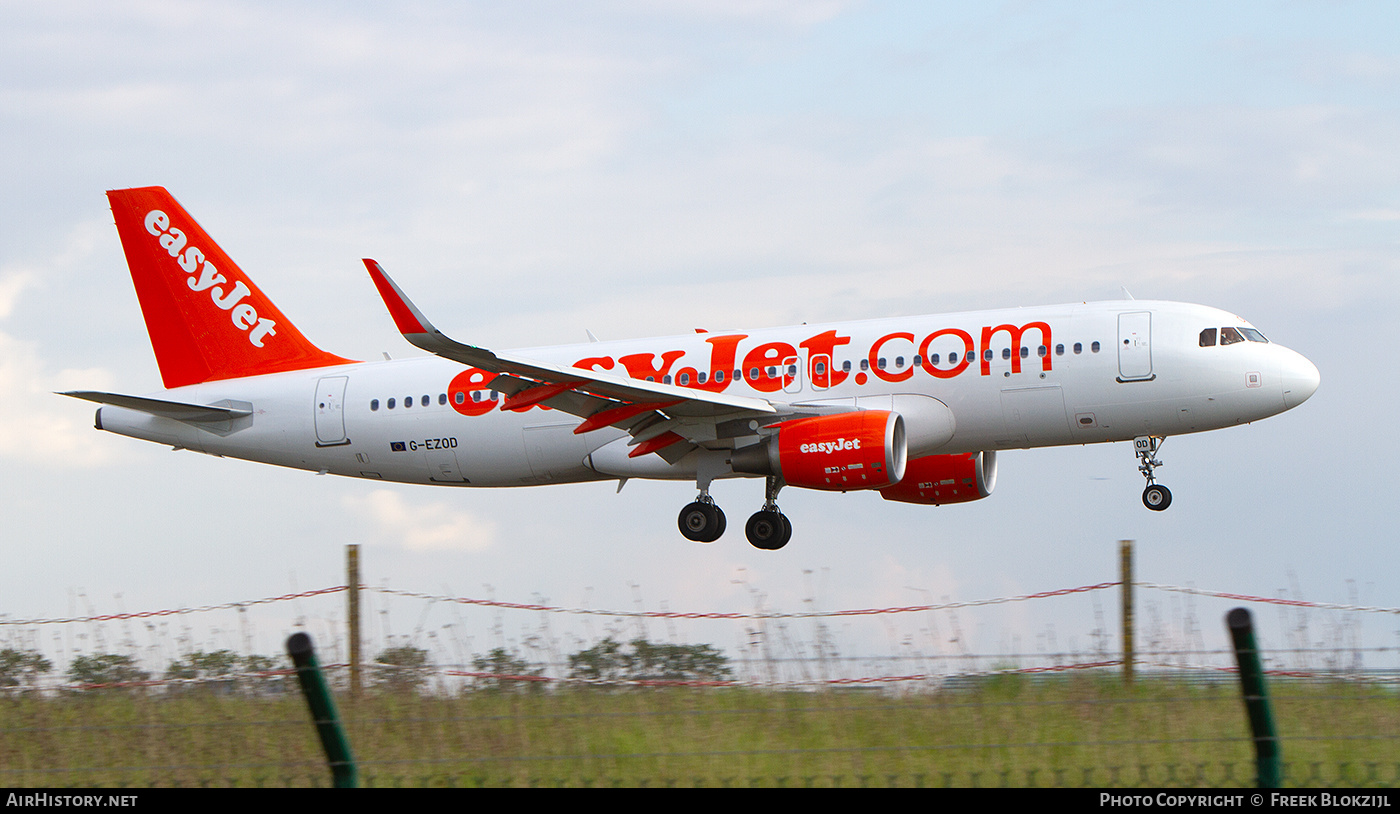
(1156, 497)
(768, 530)
(701, 522)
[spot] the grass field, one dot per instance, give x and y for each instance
(1007, 730)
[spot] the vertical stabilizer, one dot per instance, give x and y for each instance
(205, 318)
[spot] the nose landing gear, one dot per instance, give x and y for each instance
(1156, 496)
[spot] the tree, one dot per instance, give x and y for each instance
(105, 668)
(679, 662)
(223, 671)
(501, 662)
(405, 669)
(22, 668)
(609, 661)
(202, 665)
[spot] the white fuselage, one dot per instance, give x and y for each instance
(1076, 374)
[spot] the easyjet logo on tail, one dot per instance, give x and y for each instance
(203, 276)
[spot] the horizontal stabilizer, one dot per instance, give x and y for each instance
(177, 410)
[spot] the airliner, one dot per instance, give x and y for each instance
(915, 408)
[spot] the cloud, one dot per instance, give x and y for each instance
(36, 426)
(419, 527)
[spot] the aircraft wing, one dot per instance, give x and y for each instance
(658, 416)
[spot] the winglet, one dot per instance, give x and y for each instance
(419, 331)
(407, 318)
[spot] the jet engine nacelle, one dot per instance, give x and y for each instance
(865, 449)
(939, 479)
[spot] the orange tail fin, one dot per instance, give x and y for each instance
(206, 319)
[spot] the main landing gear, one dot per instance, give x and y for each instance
(702, 521)
(1156, 496)
(768, 528)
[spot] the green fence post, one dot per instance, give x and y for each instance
(344, 775)
(1256, 699)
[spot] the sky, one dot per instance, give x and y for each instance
(533, 170)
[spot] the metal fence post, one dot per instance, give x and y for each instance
(344, 774)
(1125, 567)
(352, 583)
(1256, 699)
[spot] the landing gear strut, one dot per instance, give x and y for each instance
(702, 521)
(1156, 496)
(768, 528)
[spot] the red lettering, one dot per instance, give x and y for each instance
(969, 351)
(824, 344)
(722, 353)
(459, 392)
(639, 365)
(595, 363)
(875, 362)
(1015, 332)
(764, 356)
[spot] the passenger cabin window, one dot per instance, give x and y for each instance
(1060, 350)
(1094, 347)
(442, 398)
(391, 404)
(1229, 336)
(1208, 338)
(1078, 348)
(373, 404)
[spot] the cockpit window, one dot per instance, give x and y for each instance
(1229, 336)
(1253, 335)
(1208, 338)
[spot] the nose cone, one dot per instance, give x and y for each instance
(1300, 379)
